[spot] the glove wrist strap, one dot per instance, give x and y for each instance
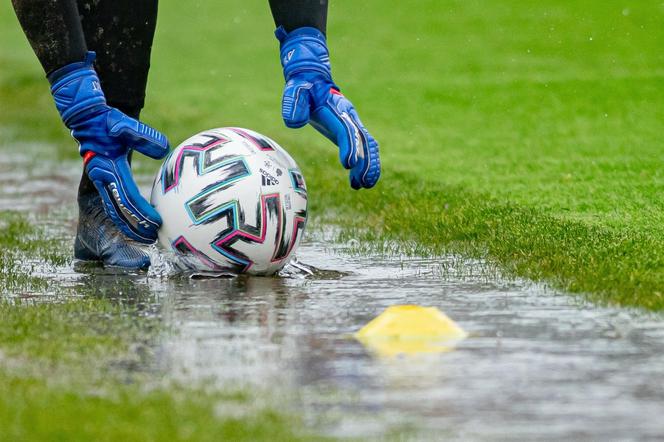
(77, 91)
(304, 50)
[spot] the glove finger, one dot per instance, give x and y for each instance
(123, 202)
(137, 135)
(295, 103)
(367, 170)
(334, 121)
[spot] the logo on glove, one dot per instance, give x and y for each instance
(129, 215)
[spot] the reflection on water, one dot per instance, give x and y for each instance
(29, 183)
(408, 330)
(537, 364)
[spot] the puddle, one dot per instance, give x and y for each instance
(538, 364)
(30, 184)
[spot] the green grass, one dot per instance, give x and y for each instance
(93, 327)
(64, 376)
(81, 366)
(34, 410)
(20, 241)
(526, 134)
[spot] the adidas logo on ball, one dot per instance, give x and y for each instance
(268, 179)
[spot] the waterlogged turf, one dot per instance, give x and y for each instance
(166, 357)
(80, 347)
(530, 134)
(538, 364)
(525, 137)
(85, 370)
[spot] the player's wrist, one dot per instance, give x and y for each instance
(304, 50)
(77, 92)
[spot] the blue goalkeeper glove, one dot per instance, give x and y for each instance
(310, 96)
(106, 136)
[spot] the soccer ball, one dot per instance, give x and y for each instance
(231, 200)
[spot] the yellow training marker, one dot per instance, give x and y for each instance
(410, 329)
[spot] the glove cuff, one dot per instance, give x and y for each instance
(77, 91)
(304, 50)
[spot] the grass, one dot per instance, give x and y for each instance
(81, 367)
(527, 134)
(33, 410)
(607, 265)
(19, 240)
(64, 377)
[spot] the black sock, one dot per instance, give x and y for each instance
(293, 14)
(53, 29)
(121, 33)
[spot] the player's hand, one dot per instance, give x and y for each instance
(106, 136)
(310, 96)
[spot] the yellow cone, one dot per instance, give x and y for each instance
(410, 329)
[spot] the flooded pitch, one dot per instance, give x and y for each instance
(537, 365)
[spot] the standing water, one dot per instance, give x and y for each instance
(538, 364)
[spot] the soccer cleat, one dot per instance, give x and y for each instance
(99, 239)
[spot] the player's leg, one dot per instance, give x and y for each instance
(294, 14)
(53, 30)
(121, 33)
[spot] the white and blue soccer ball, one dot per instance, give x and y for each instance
(232, 200)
